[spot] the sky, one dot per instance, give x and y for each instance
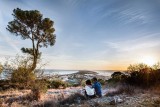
(90, 34)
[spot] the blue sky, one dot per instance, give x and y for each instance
(91, 34)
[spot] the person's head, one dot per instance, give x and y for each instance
(94, 79)
(88, 82)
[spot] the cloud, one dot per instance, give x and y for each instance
(129, 51)
(136, 44)
(128, 12)
(131, 15)
(10, 42)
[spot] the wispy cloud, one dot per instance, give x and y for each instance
(10, 42)
(126, 13)
(137, 43)
(134, 15)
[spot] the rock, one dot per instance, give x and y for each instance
(117, 99)
(112, 102)
(120, 100)
(73, 105)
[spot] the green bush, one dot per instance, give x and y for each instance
(1, 68)
(137, 67)
(103, 82)
(23, 78)
(83, 83)
(139, 75)
(144, 78)
(58, 83)
(116, 78)
(39, 87)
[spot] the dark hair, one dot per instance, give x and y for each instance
(94, 79)
(88, 82)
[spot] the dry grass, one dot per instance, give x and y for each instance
(15, 104)
(120, 89)
(50, 103)
(75, 98)
(151, 102)
(72, 101)
(28, 100)
(155, 90)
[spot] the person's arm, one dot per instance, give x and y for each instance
(85, 88)
(93, 86)
(100, 84)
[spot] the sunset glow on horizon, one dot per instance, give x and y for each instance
(149, 60)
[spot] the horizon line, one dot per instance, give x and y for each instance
(81, 69)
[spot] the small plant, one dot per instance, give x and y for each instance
(58, 83)
(23, 77)
(102, 81)
(1, 102)
(38, 88)
(83, 82)
(1, 68)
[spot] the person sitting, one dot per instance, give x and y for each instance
(97, 86)
(89, 91)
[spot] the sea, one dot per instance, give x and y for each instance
(51, 72)
(64, 72)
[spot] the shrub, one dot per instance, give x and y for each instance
(1, 68)
(144, 77)
(137, 67)
(102, 81)
(22, 77)
(139, 75)
(83, 82)
(118, 76)
(18, 71)
(156, 66)
(38, 87)
(58, 83)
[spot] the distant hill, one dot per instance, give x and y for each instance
(82, 72)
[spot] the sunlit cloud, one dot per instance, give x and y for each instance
(137, 43)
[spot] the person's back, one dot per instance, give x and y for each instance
(97, 86)
(90, 92)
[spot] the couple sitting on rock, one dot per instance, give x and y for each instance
(93, 90)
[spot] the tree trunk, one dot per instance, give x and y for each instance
(34, 64)
(35, 54)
